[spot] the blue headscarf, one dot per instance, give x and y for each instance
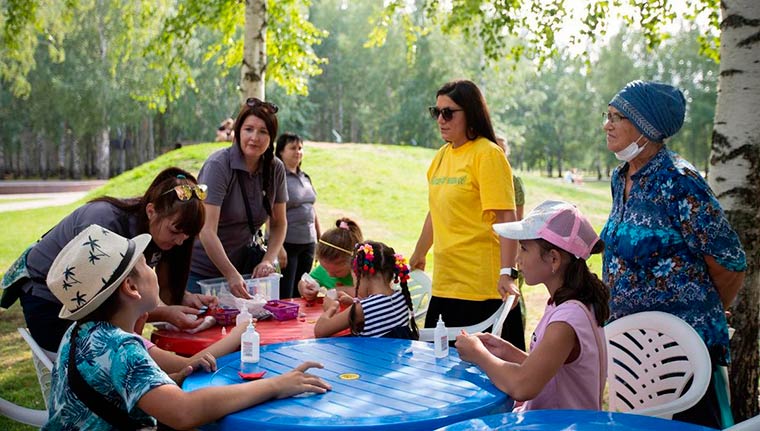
(656, 109)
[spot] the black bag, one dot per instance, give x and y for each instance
(253, 253)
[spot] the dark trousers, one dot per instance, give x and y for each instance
(42, 320)
(707, 411)
(300, 260)
(459, 312)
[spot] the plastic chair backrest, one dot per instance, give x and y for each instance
(420, 290)
(751, 424)
(35, 418)
(427, 334)
(657, 364)
(42, 363)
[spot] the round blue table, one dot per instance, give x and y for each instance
(575, 420)
(378, 383)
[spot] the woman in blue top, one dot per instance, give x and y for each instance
(297, 253)
(669, 245)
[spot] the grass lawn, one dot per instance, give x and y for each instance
(381, 187)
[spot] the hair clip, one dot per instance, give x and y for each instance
(401, 269)
(181, 177)
(364, 258)
(343, 225)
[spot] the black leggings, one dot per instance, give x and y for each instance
(43, 322)
(459, 312)
(300, 260)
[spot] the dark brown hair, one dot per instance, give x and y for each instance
(580, 283)
(467, 95)
(190, 216)
(283, 141)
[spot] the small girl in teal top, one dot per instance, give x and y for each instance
(334, 252)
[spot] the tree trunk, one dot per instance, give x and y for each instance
(76, 158)
(62, 147)
(102, 152)
(735, 179)
(252, 72)
(151, 140)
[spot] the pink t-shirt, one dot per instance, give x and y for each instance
(577, 384)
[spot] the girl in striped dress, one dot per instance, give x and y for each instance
(377, 310)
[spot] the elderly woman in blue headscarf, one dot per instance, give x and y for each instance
(669, 246)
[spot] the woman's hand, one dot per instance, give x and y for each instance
(308, 290)
(263, 269)
(417, 261)
(506, 287)
(196, 300)
(299, 381)
(282, 256)
(238, 286)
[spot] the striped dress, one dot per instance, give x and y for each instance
(383, 313)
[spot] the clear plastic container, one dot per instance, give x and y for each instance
(268, 287)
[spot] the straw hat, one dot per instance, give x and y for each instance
(90, 267)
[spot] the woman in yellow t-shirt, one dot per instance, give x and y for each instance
(469, 189)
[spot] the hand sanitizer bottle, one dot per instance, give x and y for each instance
(441, 339)
(249, 345)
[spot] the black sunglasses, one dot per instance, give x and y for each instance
(447, 113)
(252, 102)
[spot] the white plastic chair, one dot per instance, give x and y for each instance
(657, 364)
(44, 366)
(751, 424)
(496, 320)
(420, 289)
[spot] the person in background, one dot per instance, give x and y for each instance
(297, 255)
(171, 210)
(514, 331)
(245, 171)
(225, 131)
(102, 359)
(334, 253)
(469, 188)
(566, 366)
(669, 245)
(376, 310)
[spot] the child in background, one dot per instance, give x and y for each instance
(334, 251)
(567, 364)
(104, 377)
(377, 310)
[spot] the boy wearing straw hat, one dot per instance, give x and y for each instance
(104, 377)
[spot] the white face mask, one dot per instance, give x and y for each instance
(630, 152)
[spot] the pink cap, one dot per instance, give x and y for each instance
(559, 223)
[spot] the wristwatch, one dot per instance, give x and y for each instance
(512, 273)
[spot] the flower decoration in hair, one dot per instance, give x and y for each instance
(364, 259)
(401, 269)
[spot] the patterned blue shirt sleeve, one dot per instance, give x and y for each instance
(135, 372)
(703, 223)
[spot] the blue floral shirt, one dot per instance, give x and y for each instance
(656, 242)
(114, 363)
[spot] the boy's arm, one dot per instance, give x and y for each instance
(181, 410)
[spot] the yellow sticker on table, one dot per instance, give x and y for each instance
(349, 376)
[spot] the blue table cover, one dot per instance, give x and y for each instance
(572, 420)
(400, 385)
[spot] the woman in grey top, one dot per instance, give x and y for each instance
(170, 210)
(247, 166)
(297, 254)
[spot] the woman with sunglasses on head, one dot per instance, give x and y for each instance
(170, 210)
(247, 188)
(469, 189)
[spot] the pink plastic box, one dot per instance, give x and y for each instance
(225, 316)
(282, 310)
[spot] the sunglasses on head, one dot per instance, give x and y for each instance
(447, 113)
(252, 102)
(185, 191)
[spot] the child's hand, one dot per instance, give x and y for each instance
(308, 290)
(345, 299)
(497, 346)
(207, 361)
(330, 307)
(298, 381)
(180, 375)
(470, 347)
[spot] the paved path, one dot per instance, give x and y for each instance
(23, 201)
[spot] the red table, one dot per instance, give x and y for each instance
(270, 330)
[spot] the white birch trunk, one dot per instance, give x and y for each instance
(254, 65)
(735, 179)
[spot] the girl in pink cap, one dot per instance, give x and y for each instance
(567, 364)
